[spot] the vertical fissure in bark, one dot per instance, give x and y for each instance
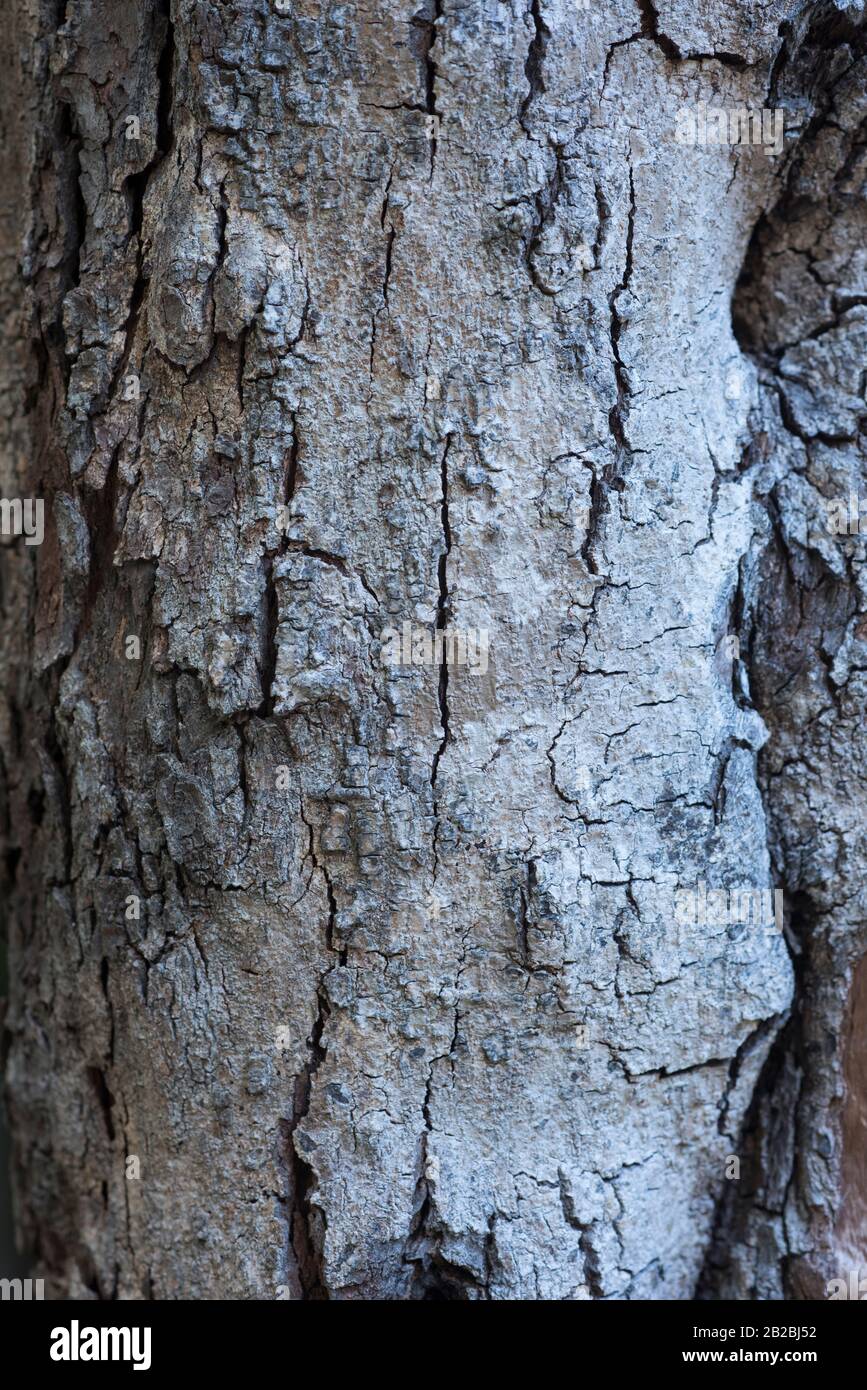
(72, 211)
(524, 918)
(307, 1220)
(105, 1099)
(794, 610)
(61, 790)
(272, 621)
(444, 613)
(427, 21)
(136, 184)
(435, 1277)
(384, 308)
(165, 80)
(610, 476)
(767, 1140)
(291, 479)
(535, 62)
(618, 411)
(293, 476)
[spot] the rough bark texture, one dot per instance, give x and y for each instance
(406, 1012)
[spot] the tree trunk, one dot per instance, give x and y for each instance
(434, 591)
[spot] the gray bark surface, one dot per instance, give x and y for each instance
(407, 1012)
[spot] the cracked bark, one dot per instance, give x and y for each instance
(799, 1219)
(396, 314)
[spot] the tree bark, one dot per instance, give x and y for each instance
(338, 978)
